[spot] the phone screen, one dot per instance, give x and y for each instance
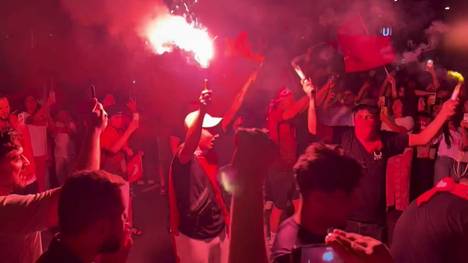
(319, 254)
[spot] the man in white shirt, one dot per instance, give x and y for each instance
(63, 129)
(22, 217)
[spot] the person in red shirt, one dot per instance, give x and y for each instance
(280, 186)
(114, 147)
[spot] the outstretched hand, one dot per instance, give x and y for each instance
(355, 248)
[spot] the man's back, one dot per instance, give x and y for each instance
(436, 231)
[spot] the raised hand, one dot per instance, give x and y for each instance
(98, 116)
(449, 108)
(205, 98)
(132, 106)
(254, 151)
(308, 87)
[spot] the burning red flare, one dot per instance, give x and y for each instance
(168, 31)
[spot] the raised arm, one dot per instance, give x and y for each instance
(383, 88)
(362, 91)
(247, 236)
(121, 142)
(238, 100)
(390, 80)
(390, 123)
(192, 138)
(311, 112)
(435, 80)
(426, 135)
(323, 93)
(296, 108)
(393, 87)
(89, 157)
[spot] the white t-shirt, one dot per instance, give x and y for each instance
(407, 122)
(454, 149)
(38, 139)
(63, 144)
(22, 217)
(38, 134)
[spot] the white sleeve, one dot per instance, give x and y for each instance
(28, 213)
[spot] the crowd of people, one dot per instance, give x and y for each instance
(374, 174)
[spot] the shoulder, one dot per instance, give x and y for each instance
(285, 238)
(176, 162)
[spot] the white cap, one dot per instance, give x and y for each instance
(208, 121)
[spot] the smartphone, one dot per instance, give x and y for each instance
(316, 254)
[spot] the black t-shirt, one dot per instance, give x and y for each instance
(436, 231)
(200, 216)
(291, 235)
(58, 253)
(370, 192)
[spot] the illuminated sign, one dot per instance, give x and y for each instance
(386, 31)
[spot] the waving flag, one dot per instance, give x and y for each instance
(362, 51)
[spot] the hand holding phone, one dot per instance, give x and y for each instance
(316, 254)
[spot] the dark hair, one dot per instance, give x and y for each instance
(9, 141)
(325, 169)
(86, 197)
(370, 108)
(456, 119)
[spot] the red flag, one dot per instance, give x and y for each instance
(362, 51)
(240, 46)
(365, 52)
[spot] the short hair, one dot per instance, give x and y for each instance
(326, 169)
(86, 197)
(370, 108)
(9, 141)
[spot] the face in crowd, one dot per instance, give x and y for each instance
(366, 122)
(12, 160)
(31, 104)
(207, 140)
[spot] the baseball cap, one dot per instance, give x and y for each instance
(208, 121)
